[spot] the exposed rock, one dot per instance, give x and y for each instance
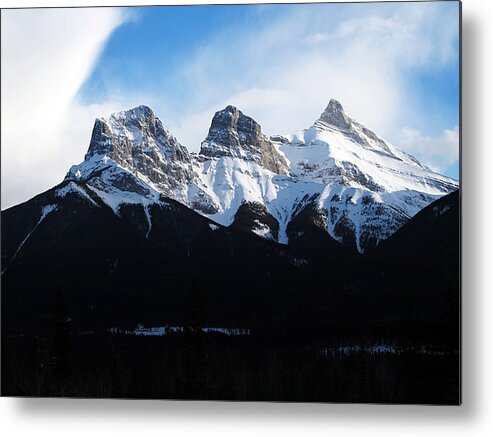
(254, 218)
(335, 115)
(137, 141)
(236, 135)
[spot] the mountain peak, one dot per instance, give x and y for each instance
(335, 115)
(237, 135)
(126, 133)
(141, 113)
(135, 140)
(230, 108)
(334, 105)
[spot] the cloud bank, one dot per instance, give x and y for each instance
(46, 56)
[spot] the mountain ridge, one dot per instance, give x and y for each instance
(354, 185)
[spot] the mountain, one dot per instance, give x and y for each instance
(70, 230)
(434, 232)
(132, 159)
(336, 175)
(367, 188)
(130, 263)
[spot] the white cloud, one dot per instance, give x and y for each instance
(438, 152)
(46, 56)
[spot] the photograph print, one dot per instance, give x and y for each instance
(232, 202)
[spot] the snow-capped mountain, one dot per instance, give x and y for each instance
(367, 187)
(133, 159)
(336, 176)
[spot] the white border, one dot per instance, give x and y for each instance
(72, 418)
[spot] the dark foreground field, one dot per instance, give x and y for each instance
(381, 328)
(213, 366)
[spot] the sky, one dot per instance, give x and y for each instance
(393, 66)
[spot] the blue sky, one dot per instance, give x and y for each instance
(145, 52)
(393, 66)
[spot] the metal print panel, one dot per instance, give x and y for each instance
(235, 202)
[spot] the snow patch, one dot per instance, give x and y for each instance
(45, 210)
(382, 348)
(149, 221)
(262, 230)
(159, 331)
(72, 187)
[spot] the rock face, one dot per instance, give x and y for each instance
(336, 176)
(136, 140)
(131, 152)
(335, 116)
(236, 135)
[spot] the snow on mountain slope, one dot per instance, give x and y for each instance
(350, 182)
(370, 187)
(363, 188)
(337, 149)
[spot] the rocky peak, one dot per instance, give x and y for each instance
(230, 131)
(137, 141)
(128, 134)
(335, 115)
(236, 135)
(140, 115)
